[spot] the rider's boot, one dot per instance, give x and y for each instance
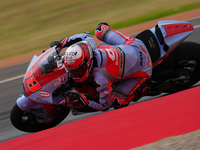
(142, 90)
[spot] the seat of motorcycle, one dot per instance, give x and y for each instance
(149, 40)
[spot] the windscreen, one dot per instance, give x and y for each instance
(48, 63)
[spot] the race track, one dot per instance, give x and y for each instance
(11, 87)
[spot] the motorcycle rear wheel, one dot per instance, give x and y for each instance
(184, 53)
(26, 121)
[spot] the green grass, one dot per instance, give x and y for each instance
(156, 15)
(27, 26)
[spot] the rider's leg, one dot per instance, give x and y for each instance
(110, 36)
(125, 92)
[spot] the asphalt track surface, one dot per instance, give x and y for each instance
(11, 87)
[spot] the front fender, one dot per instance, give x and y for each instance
(27, 104)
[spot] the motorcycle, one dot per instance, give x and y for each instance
(45, 102)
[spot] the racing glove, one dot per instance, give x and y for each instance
(55, 43)
(74, 95)
(65, 42)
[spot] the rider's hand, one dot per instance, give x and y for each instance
(74, 95)
(55, 43)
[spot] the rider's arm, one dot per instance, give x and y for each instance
(68, 41)
(103, 87)
(104, 100)
(110, 36)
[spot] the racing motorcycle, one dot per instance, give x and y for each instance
(45, 102)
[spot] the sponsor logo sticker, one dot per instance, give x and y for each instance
(59, 81)
(44, 93)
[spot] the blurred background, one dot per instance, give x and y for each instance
(27, 25)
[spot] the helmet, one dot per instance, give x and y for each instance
(78, 60)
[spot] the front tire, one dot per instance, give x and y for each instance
(26, 121)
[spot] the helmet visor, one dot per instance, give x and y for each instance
(79, 71)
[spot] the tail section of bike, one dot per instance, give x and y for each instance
(169, 35)
(162, 39)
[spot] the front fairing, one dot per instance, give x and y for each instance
(32, 62)
(43, 77)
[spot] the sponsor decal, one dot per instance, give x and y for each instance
(44, 93)
(111, 53)
(70, 62)
(71, 53)
(151, 43)
(59, 81)
(41, 100)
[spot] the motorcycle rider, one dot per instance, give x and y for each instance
(117, 68)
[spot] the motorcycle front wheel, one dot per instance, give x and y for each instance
(26, 121)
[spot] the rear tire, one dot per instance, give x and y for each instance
(178, 60)
(26, 121)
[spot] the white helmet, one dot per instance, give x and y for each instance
(78, 60)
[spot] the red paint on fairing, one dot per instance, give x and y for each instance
(173, 29)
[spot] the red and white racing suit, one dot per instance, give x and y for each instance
(125, 60)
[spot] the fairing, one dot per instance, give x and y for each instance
(173, 34)
(43, 77)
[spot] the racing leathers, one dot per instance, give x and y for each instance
(120, 67)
